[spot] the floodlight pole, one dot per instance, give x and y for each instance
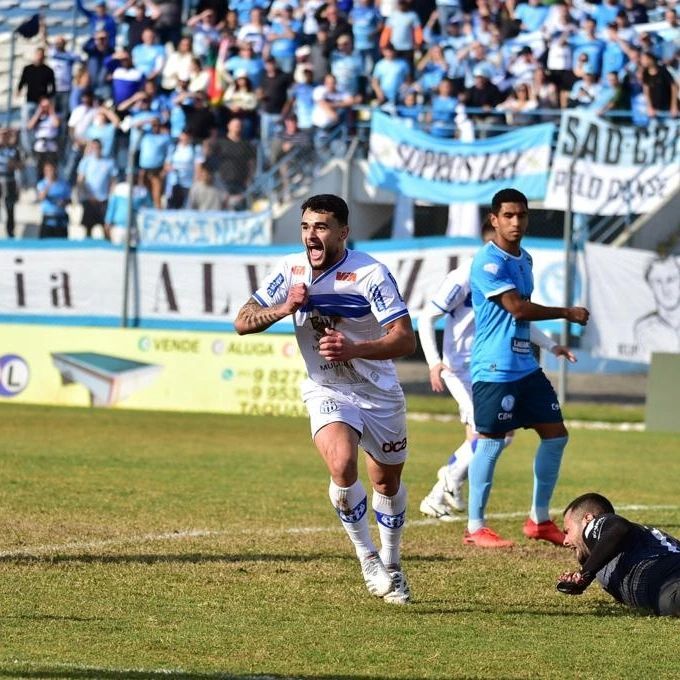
(131, 239)
(568, 275)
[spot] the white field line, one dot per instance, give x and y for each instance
(36, 551)
(576, 424)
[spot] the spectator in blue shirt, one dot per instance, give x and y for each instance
(346, 67)
(613, 56)
(246, 61)
(443, 110)
(301, 100)
(388, 76)
(180, 167)
(149, 57)
(282, 38)
(366, 26)
(98, 59)
(116, 218)
(96, 176)
(126, 80)
(586, 42)
(54, 195)
(100, 20)
(153, 150)
(605, 13)
(531, 15)
(403, 31)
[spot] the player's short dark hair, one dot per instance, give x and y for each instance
(592, 502)
(330, 204)
(507, 196)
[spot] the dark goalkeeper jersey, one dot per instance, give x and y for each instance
(630, 561)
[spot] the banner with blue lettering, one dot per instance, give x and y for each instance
(619, 169)
(203, 228)
(421, 166)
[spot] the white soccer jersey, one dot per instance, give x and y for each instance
(357, 296)
(453, 299)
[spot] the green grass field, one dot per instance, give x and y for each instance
(155, 545)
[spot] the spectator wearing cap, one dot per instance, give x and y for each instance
(149, 57)
(531, 15)
(388, 75)
(585, 90)
(282, 38)
(346, 66)
(301, 100)
(366, 26)
(303, 63)
(254, 32)
(586, 42)
(100, 20)
(98, 56)
(658, 87)
(403, 30)
(95, 180)
(240, 100)
(153, 150)
(483, 94)
(246, 60)
(523, 66)
(177, 65)
(272, 96)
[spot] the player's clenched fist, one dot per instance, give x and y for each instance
(297, 297)
(578, 315)
(334, 346)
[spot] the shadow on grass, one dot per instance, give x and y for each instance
(192, 558)
(439, 607)
(113, 674)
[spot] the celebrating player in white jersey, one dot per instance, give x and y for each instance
(453, 299)
(350, 322)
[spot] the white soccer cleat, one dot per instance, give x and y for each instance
(453, 489)
(433, 506)
(401, 593)
(377, 578)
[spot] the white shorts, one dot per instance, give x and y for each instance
(460, 386)
(379, 417)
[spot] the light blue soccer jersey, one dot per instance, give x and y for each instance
(502, 350)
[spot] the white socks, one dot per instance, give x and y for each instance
(390, 512)
(351, 504)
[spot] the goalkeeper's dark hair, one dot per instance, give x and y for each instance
(507, 196)
(329, 204)
(591, 502)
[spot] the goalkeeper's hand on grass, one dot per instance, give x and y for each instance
(572, 583)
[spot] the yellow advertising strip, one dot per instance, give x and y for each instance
(151, 369)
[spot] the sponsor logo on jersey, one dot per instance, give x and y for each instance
(452, 294)
(297, 270)
(275, 285)
(491, 267)
(393, 447)
(521, 346)
(390, 521)
(328, 406)
(377, 298)
(346, 276)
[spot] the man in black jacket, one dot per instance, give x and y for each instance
(637, 565)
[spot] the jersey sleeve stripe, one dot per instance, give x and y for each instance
(498, 291)
(394, 317)
(260, 300)
(443, 309)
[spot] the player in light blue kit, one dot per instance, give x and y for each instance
(509, 390)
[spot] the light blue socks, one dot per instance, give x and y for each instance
(546, 471)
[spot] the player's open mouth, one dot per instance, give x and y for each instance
(315, 252)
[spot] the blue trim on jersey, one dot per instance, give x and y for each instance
(394, 317)
(260, 300)
(346, 305)
(339, 298)
(332, 269)
(444, 311)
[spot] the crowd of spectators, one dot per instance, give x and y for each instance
(195, 102)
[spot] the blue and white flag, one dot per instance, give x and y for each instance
(421, 166)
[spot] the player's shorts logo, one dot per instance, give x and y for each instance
(14, 375)
(555, 406)
(394, 447)
(328, 406)
(508, 402)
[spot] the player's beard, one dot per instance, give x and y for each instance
(323, 260)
